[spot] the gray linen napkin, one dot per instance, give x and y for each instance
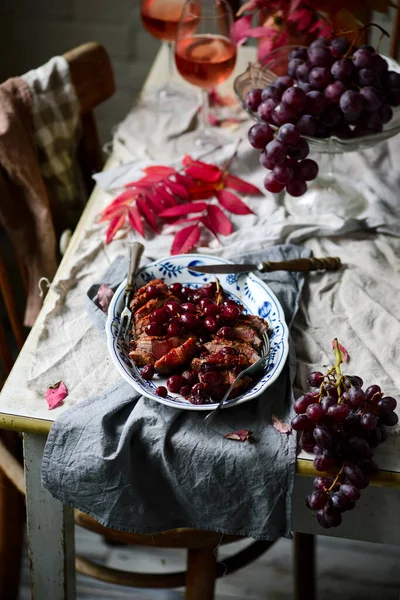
(136, 465)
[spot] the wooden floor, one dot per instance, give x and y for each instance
(347, 570)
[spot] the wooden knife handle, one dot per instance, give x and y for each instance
(329, 263)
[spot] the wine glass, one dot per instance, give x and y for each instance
(161, 19)
(205, 55)
(333, 191)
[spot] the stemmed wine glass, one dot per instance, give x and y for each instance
(161, 19)
(204, 53)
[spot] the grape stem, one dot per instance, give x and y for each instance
(338, 357)
(336, 479)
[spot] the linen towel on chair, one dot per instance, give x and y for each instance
(136, 465)
(40, 190)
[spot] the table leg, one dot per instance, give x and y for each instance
(50, 532)
(304, 562)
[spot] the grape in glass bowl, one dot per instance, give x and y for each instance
(337, 85)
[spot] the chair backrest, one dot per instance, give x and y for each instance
(93, 80)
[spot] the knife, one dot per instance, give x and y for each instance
(328, 263)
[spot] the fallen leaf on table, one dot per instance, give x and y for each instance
(243, 435)
(281, 426)
(104, 294)
(344, 354)
(55, 394)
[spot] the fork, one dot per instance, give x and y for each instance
(135, 250)
(256, 369)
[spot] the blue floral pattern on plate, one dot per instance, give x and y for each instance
(248, 289)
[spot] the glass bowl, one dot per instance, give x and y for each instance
(331, 192)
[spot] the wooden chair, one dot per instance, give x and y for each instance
(93, 80)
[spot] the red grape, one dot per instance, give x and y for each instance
(159, 315)
(283, 113)
(302, 423)
(161, 391)
(174, 328)
(260, 135)
(266, 109)
(373, 393)
(188, 307)
(295, 98)
(322, 483)
(272, 185)
(230, 312)
(174, 383)
(386, 405)
(153, 328)
(363, 59)
(329, 517)
(342, 69)
(350, 491)
(320, 77)
(320, 56)
(323, 437)
(175, 288)
(147, 372)
(323, 463)
(316, 102)
(338, 412)
(289, 134)
(334, 91)
(296, 188)
(253, 99)
(153, 291)
(315, 412)
(317, 500)
(211, 324)
(292, 66)
(302, 403)
(299, 150)
(307, 125)
(307, 169)
(339, 46)
(271, 91)
(283, 173)
(369, 421)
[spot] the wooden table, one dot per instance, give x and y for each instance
(50, 524)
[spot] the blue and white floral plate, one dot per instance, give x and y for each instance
(246, 288)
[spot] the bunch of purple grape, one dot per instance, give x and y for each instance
(341, 422)
(330, 89)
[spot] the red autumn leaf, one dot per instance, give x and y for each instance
(147, 214)
(281, 426)
(114, 208)
(240, 29)
(159, 170)
(155, 204)
(135, 220)
(185, 239)
(187, 182)
(146, 181)
(203, 191)
(219, 220)
(303, 18)
(343, 352)
(207, 223)
(184, 209)
(240, 185)
(232, 203)
(104, 295)
(115, 224)
(268, 44)
(167, 198)
(261, 32)
(181, 221)
(55, 394)
(203, 172)
(243, 435)
(177, 189)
